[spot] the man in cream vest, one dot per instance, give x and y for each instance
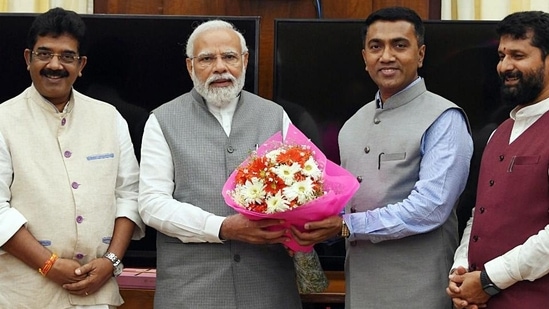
(208, 256)
(68, 181)
(410, 149)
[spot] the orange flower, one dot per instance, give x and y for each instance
(282, 179)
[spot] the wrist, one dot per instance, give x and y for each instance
(48, 265)
(344, 230)
(487, 285)
(117, 265)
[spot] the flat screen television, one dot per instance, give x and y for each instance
(319, 77)
(135, 62)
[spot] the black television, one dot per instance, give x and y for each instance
(135, 62)
(319, 77)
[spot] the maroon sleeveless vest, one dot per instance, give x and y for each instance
(512, 205)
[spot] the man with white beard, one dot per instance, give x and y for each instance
(207, 255)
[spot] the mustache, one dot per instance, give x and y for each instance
(56, 73)
(511, 74)
(223, 76)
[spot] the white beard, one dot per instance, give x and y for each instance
(219, 96)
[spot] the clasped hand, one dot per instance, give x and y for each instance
(79, 279)
(465, 289)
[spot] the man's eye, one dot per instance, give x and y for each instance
(205, 59)
(67, 57)
(43, 54)
(229, 57)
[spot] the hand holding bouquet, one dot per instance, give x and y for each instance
(291, 180)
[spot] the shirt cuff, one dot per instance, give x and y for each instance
(212, 229)
(130, 211)
(497, 272)
(10, 222)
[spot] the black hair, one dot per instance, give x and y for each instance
(56, 22)
(519, 25)
(396, 13)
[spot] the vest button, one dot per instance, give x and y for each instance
(367, 149)
(482, 209)
(230, 149)
(501, 157)
(475, 238)
(377, 121)
(353, 209)
(359, 179)
(491, 182)
(236, 257)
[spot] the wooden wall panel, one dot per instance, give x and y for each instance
(420, 6)
(268, 10)
(128, 7)
(351, 9)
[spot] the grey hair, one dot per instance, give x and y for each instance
(213, 25)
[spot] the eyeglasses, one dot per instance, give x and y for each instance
(208, 60)
(46, 56)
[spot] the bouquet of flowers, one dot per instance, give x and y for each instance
(291, 180)
(282, 179)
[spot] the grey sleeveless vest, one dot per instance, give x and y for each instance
(383, 147)
(228, 275)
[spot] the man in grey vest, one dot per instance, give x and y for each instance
(207, 255)
(411, 150)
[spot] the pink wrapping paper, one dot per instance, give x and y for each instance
(339, 184)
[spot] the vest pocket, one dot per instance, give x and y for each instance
(526, 160)
(522, 160)
(385, 157)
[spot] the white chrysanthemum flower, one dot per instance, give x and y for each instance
(238, 196)
(277, 203)
(303, 191)
(310, 169)
(287, 172)
(273, 154)
(253, 191)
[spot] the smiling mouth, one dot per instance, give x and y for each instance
(511, 78)
(388, 70)
(53, 76)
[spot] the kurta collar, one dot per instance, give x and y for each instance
(44, 103)
(531, 111)
(406, 95)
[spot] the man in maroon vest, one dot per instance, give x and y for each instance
(503, 259)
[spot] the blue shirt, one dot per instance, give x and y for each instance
(446, 147)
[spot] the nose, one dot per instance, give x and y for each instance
(219, 64)
(54, 62)
(505, 64)
(387, 54)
